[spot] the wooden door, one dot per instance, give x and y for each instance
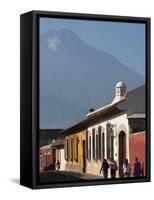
(84, 155)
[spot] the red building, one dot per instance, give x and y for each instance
(137, 148)
(47, 158)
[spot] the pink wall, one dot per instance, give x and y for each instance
(47, 159)
(137, 148)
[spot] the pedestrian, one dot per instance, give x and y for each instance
(113, 168)
(126, 168)
(104, 168)
(137, 168)
(57, 165)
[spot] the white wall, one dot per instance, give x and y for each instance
(9, 100)
(61, 157)
(117, 120)
(63, 161)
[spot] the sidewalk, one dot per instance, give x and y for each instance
(67, 175)
(79, 175)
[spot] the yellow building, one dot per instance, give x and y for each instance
(75, 151)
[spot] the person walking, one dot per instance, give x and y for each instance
(137, 168)
(104, 168)
(113, 168)
(126, 168)
(57, 165)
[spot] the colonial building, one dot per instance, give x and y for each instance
(46, 151)
(58, 145)
(108, 136)
(46, 158)
(105, 132)
(137, 148)
(75, 149)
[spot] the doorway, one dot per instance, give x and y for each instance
(122, 151)
(84, 155)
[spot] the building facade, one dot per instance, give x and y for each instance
(58, 145)
(109, 136)
(75, 151)
(108, 139)
(105, 133)
(47, 158)
(137, 144)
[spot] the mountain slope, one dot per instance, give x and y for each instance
(75, 77)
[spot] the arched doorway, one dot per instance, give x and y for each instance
(122, 151)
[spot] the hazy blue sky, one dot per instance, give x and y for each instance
(125, 41)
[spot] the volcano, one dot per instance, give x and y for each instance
(75, 77)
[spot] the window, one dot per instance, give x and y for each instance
(86, 144)
(66, 149)
(76, 148)
(93, 142)
(103, 146)
(99, 143)
(71, 149)
(112, 144)
(108, 141)
(97, 147)
(89, 149)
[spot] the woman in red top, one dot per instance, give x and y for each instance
(113, 168)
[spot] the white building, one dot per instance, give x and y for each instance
(110, 127)
(59, 152)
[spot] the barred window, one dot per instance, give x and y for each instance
(89, 149)
(99, 143)
(71, 149)
(93, 143)
(103, 146)
(97, 147)
(66, 149)
(112, 144)
(108, 142)
(76, 148)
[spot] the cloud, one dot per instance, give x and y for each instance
(53, 43)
